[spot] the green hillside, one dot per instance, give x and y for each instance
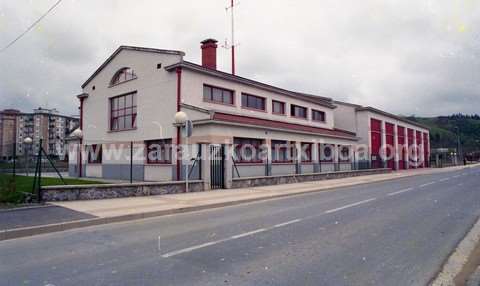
(443, 132)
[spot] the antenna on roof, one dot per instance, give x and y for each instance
(232, 46)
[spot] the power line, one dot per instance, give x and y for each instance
(30, 27)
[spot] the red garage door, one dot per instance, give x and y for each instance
(426, 150)
(376, 142)
(390, 147)
(411, 150)
(419, 143)
(401, 147)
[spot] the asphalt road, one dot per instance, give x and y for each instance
(32, 216)
(386, 233)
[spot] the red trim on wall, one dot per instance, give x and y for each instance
(390, 141)
(401, 147)
(279, 124)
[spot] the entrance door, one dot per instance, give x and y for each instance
(217, 159)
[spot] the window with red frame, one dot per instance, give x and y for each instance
(344, 154)
(326, 153)
(280, 151)
(298, 111)
(159, 151)
(123, 112)
(253, 101)
(94, 153)
(124, 74)
(318, 115)
(306, 152)
(278, 107)
(248, 150)
(217, 94)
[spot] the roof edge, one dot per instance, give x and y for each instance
(375, 110)
(132, 48)
(323, 101)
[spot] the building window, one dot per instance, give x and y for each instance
(318, 115)
(253, 101)
(159, 151)
(298, 111)
(306, 152)
(123, 112)
(326, 153)
(344, 154)
(278, 107)
(94, 153)
(217, 95)
(124, 74)
(248, 150)
(280, 151)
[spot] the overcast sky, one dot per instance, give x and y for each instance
(407, 57)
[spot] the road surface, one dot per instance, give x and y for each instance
(395, 232)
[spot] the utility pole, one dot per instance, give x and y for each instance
(232, 14)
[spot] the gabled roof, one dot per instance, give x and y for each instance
(131, 48)
(400, 118)
(324, 101)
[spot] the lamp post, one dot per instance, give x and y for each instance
(26, 146)
(78, 133)
(458, 142)
(181, 118)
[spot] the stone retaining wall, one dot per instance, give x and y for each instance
(109, 191)
(289, 179)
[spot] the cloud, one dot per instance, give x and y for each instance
(405, 56)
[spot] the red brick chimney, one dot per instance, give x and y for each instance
(209, 53)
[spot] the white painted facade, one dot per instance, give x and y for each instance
(161, 77)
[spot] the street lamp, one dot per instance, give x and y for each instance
(26, 142)
(78, 134)
(458, 142)
(181, 118)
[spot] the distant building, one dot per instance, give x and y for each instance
(8, 127)
(42, 123)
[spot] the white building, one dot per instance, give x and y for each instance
(259, 129)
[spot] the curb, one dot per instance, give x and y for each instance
(454, 265)
(9, 234)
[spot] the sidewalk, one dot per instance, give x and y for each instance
(95, 212)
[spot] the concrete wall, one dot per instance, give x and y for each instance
(109, 191)
(156, 98)
(283, 169)
(277, 180)
(345, 117)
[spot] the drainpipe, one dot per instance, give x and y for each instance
(179, 98)
(81, 139)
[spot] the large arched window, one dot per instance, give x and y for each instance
(124, 74)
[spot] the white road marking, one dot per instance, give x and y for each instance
(456, 176)
(444, 179)
(192, 248)
(399, 192)
(287, 223)
(245, 234)
(461, 184)
(426, 184)
(248, 233)
(349, 206)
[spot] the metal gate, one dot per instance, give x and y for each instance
(217, 159)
